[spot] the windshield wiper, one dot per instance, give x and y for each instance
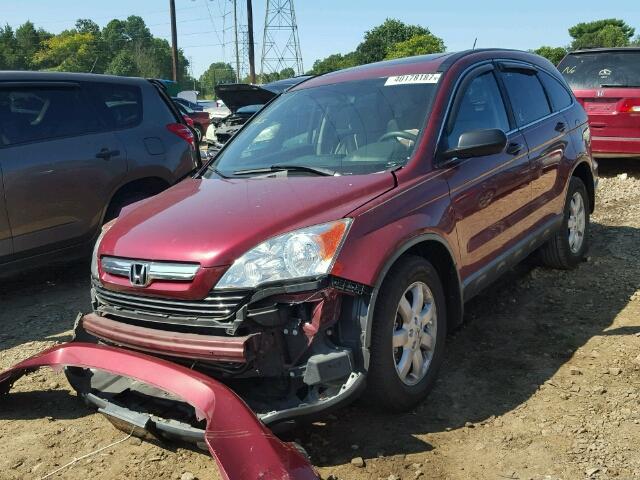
(325, 172)
(617, 85)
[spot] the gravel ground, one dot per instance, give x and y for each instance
(542, 382)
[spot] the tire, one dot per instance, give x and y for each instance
(384, 379)
(559, 251)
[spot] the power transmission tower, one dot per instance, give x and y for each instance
(280, 45)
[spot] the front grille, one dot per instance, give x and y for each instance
(218, 309)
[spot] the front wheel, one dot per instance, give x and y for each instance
(407, 336)
(568, 246)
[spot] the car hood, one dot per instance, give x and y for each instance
(238, 95)
(214, 221)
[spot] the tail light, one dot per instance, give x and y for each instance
(188, 120)
(629, 105)
(183, 132)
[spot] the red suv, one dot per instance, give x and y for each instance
(607, 83)
(334, 241)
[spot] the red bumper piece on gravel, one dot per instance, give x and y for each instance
(243, 447)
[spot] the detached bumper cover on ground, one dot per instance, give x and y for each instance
(242, 446)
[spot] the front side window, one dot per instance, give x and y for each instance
(481, 107)
(528, 100)
(558, 94)
(34, 114)
(348, 128)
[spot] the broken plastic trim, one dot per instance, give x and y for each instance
(243, 447)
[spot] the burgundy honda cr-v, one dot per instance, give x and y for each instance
(330, 245)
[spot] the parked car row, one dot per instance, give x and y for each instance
(332, 241)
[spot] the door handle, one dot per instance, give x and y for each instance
(514, 148)
(561, 127)
(106, 154)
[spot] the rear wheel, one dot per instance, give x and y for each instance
(408, 335)
(568, 246)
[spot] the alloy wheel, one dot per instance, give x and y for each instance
(414, 333)
(577, 222)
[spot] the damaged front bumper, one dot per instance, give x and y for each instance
(243, 447)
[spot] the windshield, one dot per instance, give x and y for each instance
(601, 69)
(352, 128)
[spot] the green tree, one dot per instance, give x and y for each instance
(416, 45)
(334, 62)
(9, 57)
(553, 54)
(28, 42)
(610, 32)
(636, 42)
(122, 64)
(217, 73)
(70, 51)
(85, 25)
(379, 40)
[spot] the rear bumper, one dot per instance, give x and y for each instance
(173, 344)
(612, 147)
(233, 433)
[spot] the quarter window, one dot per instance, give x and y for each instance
(527, 97)
(120, 106)
(558, 94)
(481, 107)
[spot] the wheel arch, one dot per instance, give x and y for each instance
(151, 185)
(583, 171)
(436, 250)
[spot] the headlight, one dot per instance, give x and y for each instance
(94, 256)
(307, 252)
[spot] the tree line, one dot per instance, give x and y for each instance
(127, 47)
(121, 47)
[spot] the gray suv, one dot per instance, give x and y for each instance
(74, 150)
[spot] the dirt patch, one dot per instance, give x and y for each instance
(542, 381)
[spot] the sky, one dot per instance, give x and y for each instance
(336, 26)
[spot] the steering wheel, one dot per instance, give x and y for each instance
(398, 134)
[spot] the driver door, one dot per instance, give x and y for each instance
(490, 194)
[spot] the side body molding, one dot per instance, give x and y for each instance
(242, 446)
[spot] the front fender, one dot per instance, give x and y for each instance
(242, 446)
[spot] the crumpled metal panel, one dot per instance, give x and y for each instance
(243, 447)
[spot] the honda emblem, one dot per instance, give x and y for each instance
(139, 274)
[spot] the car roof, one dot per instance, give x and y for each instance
(605, 50)
(26, 76)
(437, 62)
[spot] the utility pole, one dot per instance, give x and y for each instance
(174, 40)
(252, 63)
(235, 31)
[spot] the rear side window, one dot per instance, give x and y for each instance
(33, 114)
(528, 99)
(557, 93)
(601, 69)
(481, 107)
(119, 106)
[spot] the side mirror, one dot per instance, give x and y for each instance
(478, 143)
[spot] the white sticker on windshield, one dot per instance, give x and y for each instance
(413, 78)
